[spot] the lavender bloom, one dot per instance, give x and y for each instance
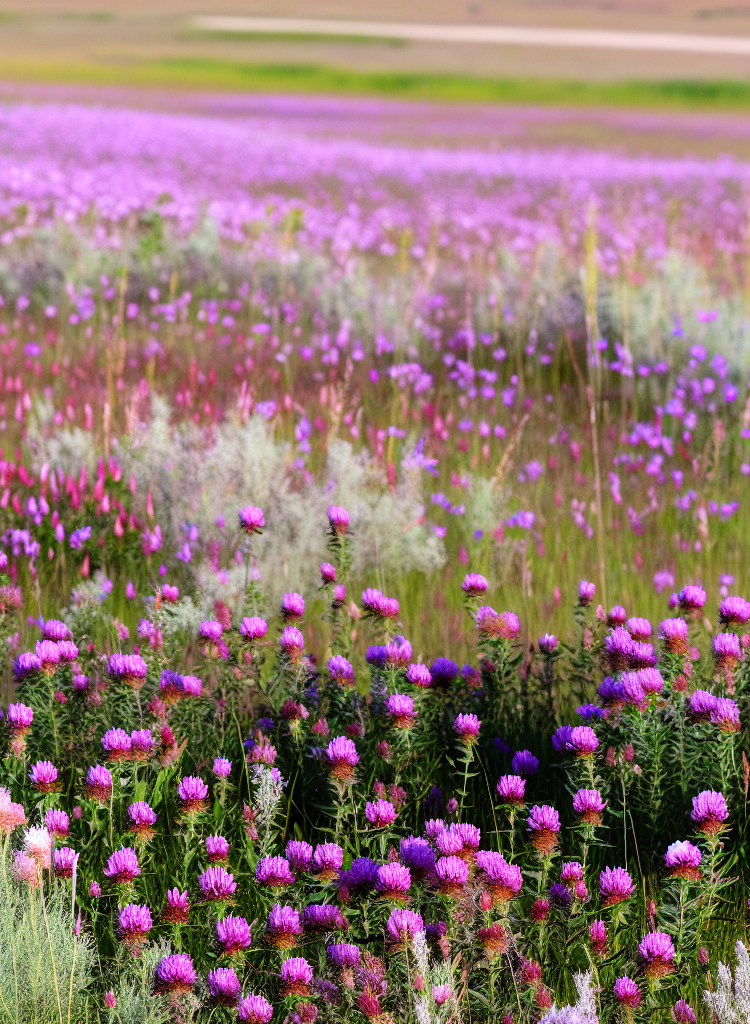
(254, 1010)
(341, 670)
(130, 669)
(586, 592)
(292, 606)
(380, 813)
(134, 924)
(49, 654)
(443, 672)
(175, 974)
(117, 744)
(327, 860)
(524, 763)
(467, 727)
(627, 993)
(548, 643)
(726, 715)
(361, 877)
(616, 615)
(338, 518)
(583, 741)
(398, 652)
(283, 927)
(64, 861)
(224, 986)
(142, 819)
(402, 926)
(254, 628)
(233, 934)
(296, 975)
(683, 859)
(503, 880)
(512, 790)
(122, 867)
(98, 783)
(325, 917)
(692, 598)
(474, 584)
(171, 686)
(588, 712)
(192, 791)
(452, 874)
(417, 855)
(611, 691)
(57, 822)
(43, 777)
(251, 519)
(701, 704)
(615, 885)
(589, 804)
(217, 848)
(211, 630)
(419, 675)
(560, 896)
(709, 812)
(393, 881)
(658, 953)
(274, 872)
(19, 718)
(53, 629)
(449, 843)
(673, 634)
(372, 601)
(726, 650)
(217, 884)
(377, 656)
(299, 854)
(342, 954)
(26, 664)
(734, 611)
(639, 629)
(682, 1013)
(222, 767)
(292, 643)
(561, 737)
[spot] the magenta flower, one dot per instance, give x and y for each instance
(402, 926)
(64, 861)
(292, 606)
(234, 935)
(401, 709)
(512, 790)
(658, 954)
(273, 872)
(393, 881)
(142, 819)
(692, 598)
(616, 615)
(53, 629)
(726, 715)
(327, 572)
(338, 519)
(627, 993)
(467, 728)
(474, 584)
(192, 792)
(598, 936)
(117, 744)
(380, 813)
(57, 822)
(19, 718)
(142, 744)
(224, 986)
(175, 974)
(324, 917)
(682, 1013)
(43, 777)
(251, 519)
(299, 854)
(129, 669)
(98, 784)
(673, 634)
(222, 768)
(171, 686)
(327, 861)
(342, 758)
(292, 643)
(548, 643)
(583, 741)
(341, 670)
(217, 884)
(543, 824)
(254, 1010)
(67, 650)
(283, 927)
(709, 812)
(734, 611)
(639, 629)
(615, 885)
(177, 909)
(684, 860)
(726, 649)
(49, 654)
(589, 804)
(449, 843)
(586, 592)
(26, 665)
(504, 881)
(419, 675)
(296, 976)
(211, 630)
(701, 705)
(122, 867)
(524, 763)
(217, 848)
(253, 628)
(134, 924)
(452, 874)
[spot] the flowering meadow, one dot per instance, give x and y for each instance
(372, 551)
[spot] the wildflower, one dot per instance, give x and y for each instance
(57, 822)
(701, 705)
(495, 940)
(251, 519)
(524, 763)
(449, 843)
(299, 854)
(692, 599)
(122, 867)
(109, 999)
(682, 1013)
(343, 955)
(254, 1010)
(709, 812)
(294, 712)
(339, 595)
(327, 860)
(273, 872)
(292, 607)
(734, 610)
(398, 652)
(360, 879)
(283, 927)
(253, 628)
(222, 768)
(224, 986)
(133, 925)
(26, 665)
(442, 993)
(369, 1004)
(129, 669)
(512, 789)
(380, 813)
(98, 784)
(53, 629)
(142, 819)
(64, 861)
(684, 860)
(627, 993)
(175, 974)
(561, 737)
(560, 896)
(43, 777)
(548, 643)
(583, 741)
(67, 650)
(292, 643)
(539, 910)
(452, 874)
(296, 975)
(342, 758)
(142, 744)
(673, 634)
(497, 625)
(726, 715)
(658, 954)
(25, 869)
(474, 584)
(325, 917)
(726, 649)
(117, 744)
(211, 630)
(192, 792)
(503, 880)
(586, 592)
(178, 907)
(639, 629)
(402, 926)
(171, 686)
(233, 934)
(393, 881)
(598, 936)
(543, 825)
(217, 849)
(95, 890)
(18, 719)
(338, 519)
(341, 670)
(262, 751)
(48, 654)
(615, 885)
(467, 727)
(616, 616)
(327, 573)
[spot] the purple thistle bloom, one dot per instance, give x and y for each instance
(548, 643)
(380, 813)
(589, 804)
(586, 592)
(323, 917)
(26, 664)
(467, 727)
(171, 686)
(254, 1010)
(177, 909)
(611, 692)
(274, 872)
(134, 924)
(98, 783)
(49, 654)
(342, 757)
(292, 606)
(217, 884)
(67, 650)
(341, 670)
(684, 860)
(211, 630)
(598, 936)
(449, 843)
(588, 712)
(43, 777)
(452, 874)
(627, 992)
(726, 649)
(419, 675)
(372, 601)
(393, 881)
(57, 822)
(19, 717)
(572, 872)
(443, 672)
(53, 629)
(299, 854)
(175, 973)
(233, 934)
(193, 687)
(130, 669)
(709, 812)
(80, 682)
(474, 584)
(292, 643)
(251, 519)
(361, 877)
(583, 741)
(65, 861)
(682, 1013)
(142, 744)
(560, 896)
(701, 705)
(377, 656)
(122, 867)
(543, 824)
(673, 634)
(192, 791)
(342, 954)
(398, 652)
(524, 763)
(417, 855)
(327, 860)
(512, 789)
(283, 927)
(338, 518)
(561, 737)
(616, 615)
(296, 975)
(692, 598)
(734, 610)
(217, 848)
(504, 880)
(401, 709)
(402, 926)
(224, 986)
(327, 572)
(222, 768)
(639, 629)
(658, 953)
(726, 715)
(142, 818)
(253, 628)
(117, 743)
(615, 885)
(95, 890)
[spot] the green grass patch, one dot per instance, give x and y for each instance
(224, 75)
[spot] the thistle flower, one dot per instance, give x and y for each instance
(639, 629)
(25, 869)
(175, 974)
(254, 1010)
(95, 890)
(616, 615)
(495, 940)
(611, 691)
(342, 759)
(393, 881)
(253, 628)
(53, 629)
(543, 825)
(262, 751)
(627, 993)
(548, 643)
(224, 986)
(684, 860)
(467, 728)
(449, 843)
(734, 611)
(524, 763)
(192, 792)
(586, 592)
(178, 907)
(682, 1013)
(572, 872)
(217, 884)
(299, 854)
(292, 607)
(692, 598)
(512, 790)
(98, 784)
(273, 872)
(442, 993)
(343, 955)
(57, 822)
(709, 812)
(64, 861)
(615, 886)
(380, 813)
(327, 573)
(171, 686)
(658, 954)
(419, 675)
(11, 814)
(25, 665)
(360, 879)
(504, 881)
(117, 744)
(583, 741)
(48, 654)
(561, 737)
(369, 1005)
(142, 744)
(372, 601)
(341, 670)
(398, 652)
(470, 837)
(401, 709)
(296, 975)
(700, 705)
(327, 861)
(589, 804)
(726, 715)
(443, 672)
(18, 719)
(338, 519)
(452, 874)
(234, 935)
(673, 634)
(560, 896)
(142, 819)
(43, 777)
(211, 630)
(292, 643)
(474, 584)
(598, 936)
(251, 519)
(67, 650)
(726, 649)
(494, 625)
(402, 926)
(339, 595)
(283, 927)
(122, 867)
(134, 924)
(217, 849)
(222, 768)
(129, 669)
(323, 917)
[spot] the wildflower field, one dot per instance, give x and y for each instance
(373, 542)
